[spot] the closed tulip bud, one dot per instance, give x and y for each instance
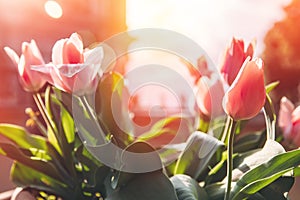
(289, 120)
(234, 57)
(246, 96)
(30, 79)
(209, 95)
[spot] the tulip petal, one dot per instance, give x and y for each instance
(12, 55)
(209, 96)
(95, 56)
(76, 40)
(57, 52)
(70, 70)
(296, 116)
(30, 79)
(246, 96)
(285, 116)
(233, 59)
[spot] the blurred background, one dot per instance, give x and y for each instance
(211, 23)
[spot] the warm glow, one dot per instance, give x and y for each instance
(53, 9)
(211, 23)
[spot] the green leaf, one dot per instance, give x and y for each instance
(297, 171)
(252, 160)
(24, 176)
(250, 142)
(52, 137)
(278, 188)
(36, 163)
(19, 136)
(161, 127)
(91, 167)
(68, 125)
(216, 191)
(271, 86)
(197, 154)
(147, 186)
(166, 130)
(264, 174)
(187, 188)
(112, 114)
(63, 122)
(140, 185)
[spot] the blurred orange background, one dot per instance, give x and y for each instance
(211, 23)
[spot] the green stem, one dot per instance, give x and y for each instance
(203, 125)
(225, 134)
(231, 130)
(39, 102)
(270, 118)
(93, 116)
(40, 126)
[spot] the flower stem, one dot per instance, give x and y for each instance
(93, 116)
(232, 124)
(225, 134)
(270, 118)
(39, 102)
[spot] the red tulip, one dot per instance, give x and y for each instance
(209, 95)
(73, 69)
(234, 58)
(246, 96)
(30, 79)
(289, 120)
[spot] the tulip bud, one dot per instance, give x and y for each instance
(289, 120)
(246, 96)
(30, 79)
(209, 95)
(234, 58)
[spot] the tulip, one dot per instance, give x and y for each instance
(202, 69)
(209, 95)
(73, 69)
(289, 120)
(246, 96)
(30, 79)
(234, 58)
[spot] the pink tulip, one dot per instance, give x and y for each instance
(246, 96)
(209, 95)
(202, 69)
(234, 57)
(289, 120)
(30, 79)
(73, 69)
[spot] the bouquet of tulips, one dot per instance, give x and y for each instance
(87, 146)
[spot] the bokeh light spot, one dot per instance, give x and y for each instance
(53, 9)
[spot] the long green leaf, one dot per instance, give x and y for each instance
(24, 176)
(110, 109)
(197, 154)
(262, 175)
(43, 166)
(52, 137)
(163, 126)
(68, 125)
(19, 136)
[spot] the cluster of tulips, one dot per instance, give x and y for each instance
(237, 90)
